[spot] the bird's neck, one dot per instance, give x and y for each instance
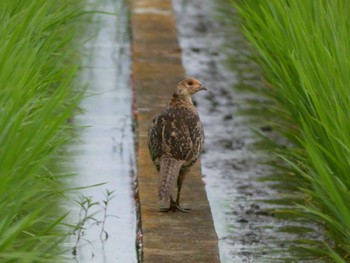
(181, 101)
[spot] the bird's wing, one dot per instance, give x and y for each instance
(154, 138)
(176, 132)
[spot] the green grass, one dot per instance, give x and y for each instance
(303, 48)
(38, 63)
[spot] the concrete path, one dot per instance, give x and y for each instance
(157, 67)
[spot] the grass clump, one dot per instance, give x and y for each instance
(303, 48)
(37, 97)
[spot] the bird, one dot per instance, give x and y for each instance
(175, 141)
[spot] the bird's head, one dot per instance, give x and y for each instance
(188, 87)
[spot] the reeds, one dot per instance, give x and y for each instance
(304, 50)
(37, 97)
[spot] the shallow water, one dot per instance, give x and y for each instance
(230, 162)
(104, 153)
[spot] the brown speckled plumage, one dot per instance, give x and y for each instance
(175, 139)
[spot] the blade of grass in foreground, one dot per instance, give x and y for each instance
(304, 50)
(37, 97)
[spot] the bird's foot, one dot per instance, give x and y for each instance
(182, 209)
(174, 206)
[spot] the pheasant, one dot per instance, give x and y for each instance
(175, 139)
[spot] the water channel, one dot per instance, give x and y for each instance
(104, 153)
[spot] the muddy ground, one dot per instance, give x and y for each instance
(231, 165)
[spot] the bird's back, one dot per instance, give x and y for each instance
(176, 133)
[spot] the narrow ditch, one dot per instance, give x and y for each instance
(104, 215)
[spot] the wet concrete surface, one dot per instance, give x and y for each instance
(104, 153)
(231, 165)
(157, 67)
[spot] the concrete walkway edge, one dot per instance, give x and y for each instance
(156, 68)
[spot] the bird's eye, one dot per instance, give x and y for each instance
(190, 83)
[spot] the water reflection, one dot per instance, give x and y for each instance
(104, 154)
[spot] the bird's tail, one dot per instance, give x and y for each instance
(169, 172)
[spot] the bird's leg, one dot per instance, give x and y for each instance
(175, 205)
(180, 180)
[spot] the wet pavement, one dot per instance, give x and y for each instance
(157, 68)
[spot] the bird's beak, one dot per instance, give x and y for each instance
(203, 88)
